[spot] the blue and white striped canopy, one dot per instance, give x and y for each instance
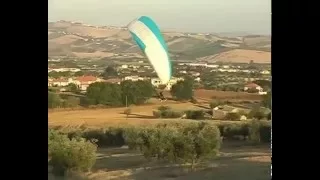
(147, 35)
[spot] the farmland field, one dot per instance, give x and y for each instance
(227, 95)
(139, 114)
(112, 116)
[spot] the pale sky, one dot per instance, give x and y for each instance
(252, 16)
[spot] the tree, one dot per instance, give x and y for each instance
(73, 88)
(136, 92)
(180, 143)
(215, 103)
(266, 102)
(109, 72)
(182, 90)
(269, 116)
(53, 100)
(254, 131)
(79, 73)
(104, 93)
(257, 113)
(67, 155)
(71, 101)
(110, 94)
(127, 112)
(55, 74)
(233, 116)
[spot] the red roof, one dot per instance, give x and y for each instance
(252, 85)
(86, 78)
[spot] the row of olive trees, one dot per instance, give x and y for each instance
(178, 143)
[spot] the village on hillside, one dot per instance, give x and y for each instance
(195, 70)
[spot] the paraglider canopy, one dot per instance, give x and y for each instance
(148, 37)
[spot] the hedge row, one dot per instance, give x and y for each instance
(179, 144)
(167, 112)
(246, 130)
(115, 136)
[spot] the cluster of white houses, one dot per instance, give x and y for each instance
(83, 82)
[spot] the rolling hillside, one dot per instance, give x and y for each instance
(85, 41)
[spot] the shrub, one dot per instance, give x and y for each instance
(75, 155)
(54, 100)
(97, 134)
(269, 116)
(167, 114)
(71, 101)
(233, 116)
(111, 137)
(164, 108)
(133, 138)
(195, 114)
(254, 131)
(215, 103)
(114, 136)
(242, 113)
(127, 111)
(157, 114)
(193, 100)
(171, 114)
(86, 102)
(233, 131)
(206, 143)
(252, 90)
(265, 133)
(256, 113)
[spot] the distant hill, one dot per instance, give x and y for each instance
(85, 41)
(239, 56)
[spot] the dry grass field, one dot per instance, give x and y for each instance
(241, 56)
(112, 116)
(139, 114)
(225, 95)
(234, 162)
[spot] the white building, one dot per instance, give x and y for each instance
(265, 72)
(254, 86)
(124, 66)
(156, 82)
(197, 79)
(133, 78)
(64, 69)
(198, 64)
(212, 66)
